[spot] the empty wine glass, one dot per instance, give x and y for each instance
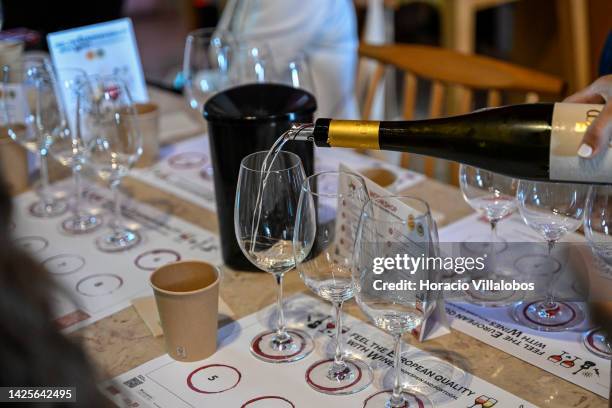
(264, 216)
(323, 243)
(296, 72)
(108, 123)
(552, 210)
(68, 147)
(493, 196)
(383, 295)
(205, 66)
(33, 117)
(598, 232)
(251, 63)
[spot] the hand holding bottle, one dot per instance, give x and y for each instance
(598, 135)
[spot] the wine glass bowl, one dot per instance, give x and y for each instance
(490, 194)
(251, 62)
(325, 228)
(205, 66)
(265, 207)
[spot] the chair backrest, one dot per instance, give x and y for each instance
(449, 70)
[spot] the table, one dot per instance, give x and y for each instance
(122, 341)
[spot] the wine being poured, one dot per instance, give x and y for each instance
(530, 141)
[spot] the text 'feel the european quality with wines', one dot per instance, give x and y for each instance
(536, 141)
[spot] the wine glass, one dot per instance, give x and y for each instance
(108, 123)
(493, 196)
(323, 242)
(264, 216)
(390, 227)
(205, 66)
(68, 147)
(552, 210)
(33, 117)
(598, 232)
(296, 73)
(251, 63)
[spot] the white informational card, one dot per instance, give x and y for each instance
(232, 377)
(107, 48)
(560, 353)
(185, 170)
(98, 284)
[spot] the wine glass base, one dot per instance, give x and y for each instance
(411, 400)
(265, 347)
(42, 210)
(597, 342)
(81, 224)
(355, 377)
(535, 315)
(118, 241)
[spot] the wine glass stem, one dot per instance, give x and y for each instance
(281, 331)
(397, 400)
(78, 189)
(550, 297)
(493, 251)
(339, 364)
(117, 223)
(44, 178)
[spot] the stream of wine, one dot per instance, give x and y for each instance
(266, 167)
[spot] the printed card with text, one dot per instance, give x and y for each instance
(107, 48)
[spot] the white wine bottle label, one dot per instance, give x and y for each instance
(569, 122)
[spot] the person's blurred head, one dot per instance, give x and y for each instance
(32, 350)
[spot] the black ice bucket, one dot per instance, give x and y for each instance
(244, 120)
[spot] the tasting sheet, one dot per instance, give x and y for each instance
(96, 284)
(232, 377)
(185, 170)
(560, 353)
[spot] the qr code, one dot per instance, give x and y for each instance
(133, 382)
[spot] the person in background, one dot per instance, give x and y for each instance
(324, 31)
(32, 351)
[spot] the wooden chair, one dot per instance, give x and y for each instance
(446, 68)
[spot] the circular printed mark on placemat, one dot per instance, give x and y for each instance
(381, 398)
(213, 379)
(151, 260)
(64, 264)
(596, 342)
(530, 311)
(99, 285)
(187, 160)
(32, 244)
(268, 401)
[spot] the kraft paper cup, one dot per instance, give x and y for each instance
(148, 124)
(13, 163)
(10, 51)
(380, 176)
(187, 297)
